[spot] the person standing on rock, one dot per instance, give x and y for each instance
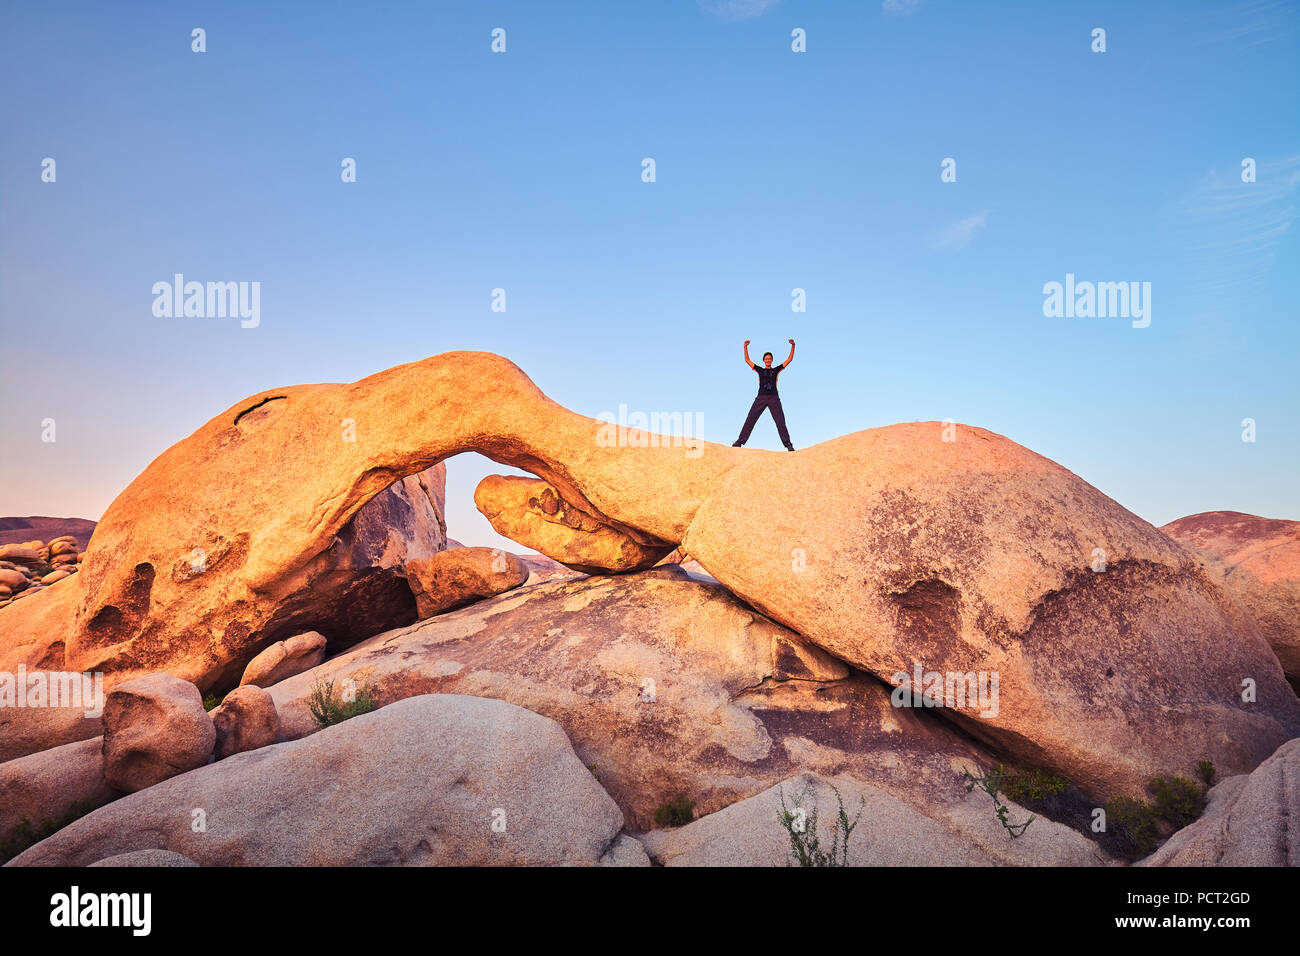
(767, 397)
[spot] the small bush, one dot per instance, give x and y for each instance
(1032, 786)
(211, 701)
(1134, 823)
(1178, 800)
(805, 844)
(327, 708)
(676, 812)
(1206, 773)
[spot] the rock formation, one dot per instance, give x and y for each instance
(672, 689)
(354, 587)
(665, 685)
(28, 567)
(1258, 560)
(18, 530)
(245, 720)
(530, 511)
(890, 548)
(154, 728)
(283, 659)
(454, 578)
(434, 780)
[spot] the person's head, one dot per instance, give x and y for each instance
(767, 359)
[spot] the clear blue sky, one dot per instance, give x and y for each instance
(775, 170)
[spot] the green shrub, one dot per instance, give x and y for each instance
(327, 708)
(1032, 786)
(1178, 800)
(211, 701)
(805, 844)
(1134, 822)
(676, 812)
(1206, 772)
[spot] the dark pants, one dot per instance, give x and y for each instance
(773, 404)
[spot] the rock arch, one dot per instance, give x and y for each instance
(267, 485)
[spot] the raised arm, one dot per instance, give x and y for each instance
(789, 359)
(747, 361)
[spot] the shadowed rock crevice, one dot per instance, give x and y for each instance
(254, 407)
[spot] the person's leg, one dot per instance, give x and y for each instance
(754, 411)
(778, 415)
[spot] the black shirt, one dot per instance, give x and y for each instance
(767, 378)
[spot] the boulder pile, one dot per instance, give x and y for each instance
(28, 567)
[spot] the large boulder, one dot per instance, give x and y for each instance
(890, 548)
(530, 511)
(20, 554)
(283, 659)
(887, 832)
(1258, 560)
(434, 780)
(13, 580)
(41, 791)
(405, 522)
(461, 576)
(154, 728)
(1118, 656)
(245, 720)
(1250, 820)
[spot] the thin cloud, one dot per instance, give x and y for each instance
(1229, 230)
(1242, 25)
(900, 8)
(962, 231)
(733, 11)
